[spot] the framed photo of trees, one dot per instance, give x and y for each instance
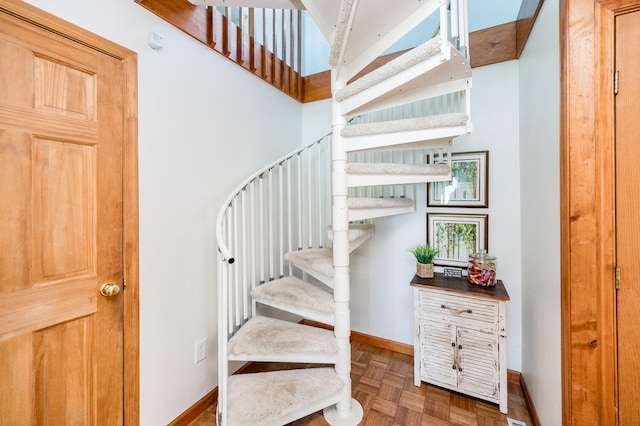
(456, 236)
(468, 186)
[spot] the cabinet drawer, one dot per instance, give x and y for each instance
(457, 309)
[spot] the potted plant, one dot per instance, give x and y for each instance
(424, 260)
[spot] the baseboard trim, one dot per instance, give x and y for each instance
(527, 397)
(517, 378)
(378, 342)
(513, 376)
(196, 409)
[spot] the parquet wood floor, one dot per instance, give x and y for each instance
(383, 384)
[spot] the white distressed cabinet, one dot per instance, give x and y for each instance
(460, 337)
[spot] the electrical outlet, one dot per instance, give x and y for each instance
(512, 422)
(201, 350)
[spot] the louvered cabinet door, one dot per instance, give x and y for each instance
(437, 353)
(477, 360)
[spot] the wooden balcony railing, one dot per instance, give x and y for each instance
(266, 42)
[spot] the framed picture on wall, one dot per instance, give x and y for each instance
(469, 184)
(456, 236)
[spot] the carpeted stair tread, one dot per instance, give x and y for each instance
(293, 292)
(405, 125)
(262, 337)
(279, 397)
(397, 169)
(379, 203)
(396, 66)
(320, 260)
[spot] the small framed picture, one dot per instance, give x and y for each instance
(456, 236)
(468, 186)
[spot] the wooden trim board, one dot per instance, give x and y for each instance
(587, 201)
(378, 342)
(535, 420)
(196, 409)
(527, 15)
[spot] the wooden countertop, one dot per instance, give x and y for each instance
(461, 285)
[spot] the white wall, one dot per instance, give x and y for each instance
(382, 267)
(204, 125)
(540, 194)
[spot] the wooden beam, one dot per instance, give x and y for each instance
(493, 45)
(316, 87)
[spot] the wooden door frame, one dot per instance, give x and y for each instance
(587, 185)
(44, 20)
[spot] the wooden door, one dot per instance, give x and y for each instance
(61, 229)
(628, 216)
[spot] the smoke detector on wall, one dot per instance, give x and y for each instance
(155, 40)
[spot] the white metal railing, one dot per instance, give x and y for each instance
(459, 29)
(269, 215)
(283, 207)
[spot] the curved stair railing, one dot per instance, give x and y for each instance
(265, 217)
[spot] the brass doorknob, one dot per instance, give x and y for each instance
(109, 289)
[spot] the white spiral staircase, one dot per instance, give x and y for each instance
(273, 234)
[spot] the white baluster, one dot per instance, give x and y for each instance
(270, 214)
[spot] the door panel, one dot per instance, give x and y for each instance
(70, 370)
(61, 229)
(628, 216)
(64, 210)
